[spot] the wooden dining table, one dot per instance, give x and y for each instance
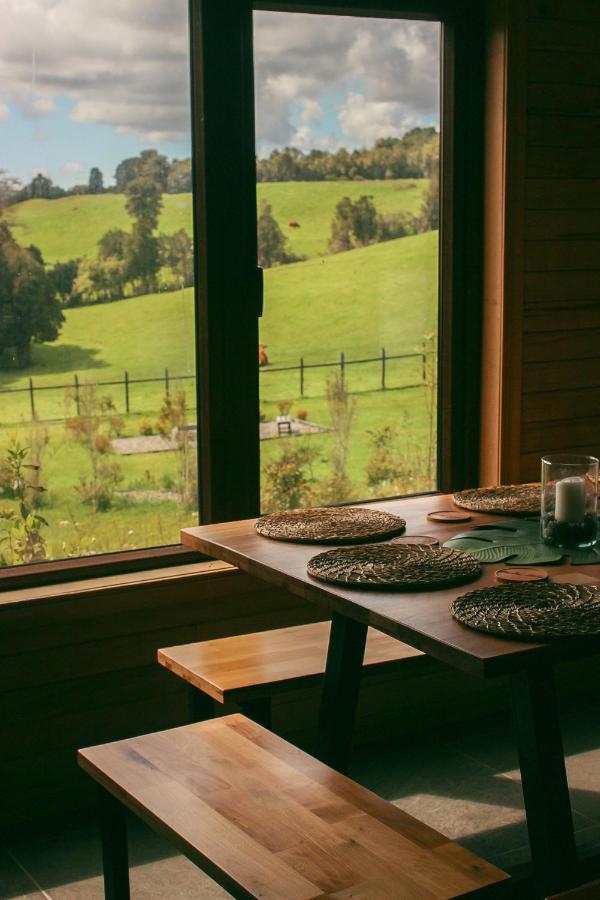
(422, 619)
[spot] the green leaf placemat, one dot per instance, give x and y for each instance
(516, 541)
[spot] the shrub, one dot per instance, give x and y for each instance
(301, 413)
(284, 407)
(146, 427)
(288, 479)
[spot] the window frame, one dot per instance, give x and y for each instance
(229, 292)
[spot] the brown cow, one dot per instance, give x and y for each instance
(293, 224)
(262, 356)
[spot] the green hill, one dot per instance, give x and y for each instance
(70, 227)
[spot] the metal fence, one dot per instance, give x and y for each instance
(34, 392)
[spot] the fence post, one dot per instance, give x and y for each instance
(31, 400)
(424, 361)
(126, 392)
(342, 365)
(383, 368)
(166, 381)
(302, 376)
(77, 399)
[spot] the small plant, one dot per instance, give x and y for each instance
(93, 427)
(301, 413)
(173, 413)
(284, 407)
(22, 525)
(146, 427)
(288, 479)
(383, 465)
(342, 408)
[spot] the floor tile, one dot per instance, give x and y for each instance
(14, 883)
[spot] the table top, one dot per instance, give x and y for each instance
(421, 619)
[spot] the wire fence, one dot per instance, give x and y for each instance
(30, 397)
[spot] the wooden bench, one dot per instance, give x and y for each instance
(250, 668)
(264, 819)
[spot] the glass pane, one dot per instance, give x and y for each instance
(97, 359)
(347, 123)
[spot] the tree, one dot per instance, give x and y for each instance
(144, 203)
(177, 252)
(125, 172)
(155, 166)
(271, 239)
(63, 277)
(96, 181)
(180, 177)
(355, 224)
(430, 207)
(29, 308)
(114, 244)
(40, 187)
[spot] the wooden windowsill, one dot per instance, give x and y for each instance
(52, 593)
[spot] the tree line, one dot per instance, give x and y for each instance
(411, 156)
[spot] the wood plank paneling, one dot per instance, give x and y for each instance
(564, 436)
(563, 99)
(564, 35)
(550, 406)
(564, 224)
(562, 162)
(553, 375)
(571, 10)
(555, 256)
(550, 66)
(546, 346)
(564, 194)
(563, 286)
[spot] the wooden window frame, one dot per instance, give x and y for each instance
(229, 287)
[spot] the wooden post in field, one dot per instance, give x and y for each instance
(302, 376)
(77, 398)
(424, 361)
(126, 382)
(31, 400)
(342, 365)
(166, 381)
(383, 368)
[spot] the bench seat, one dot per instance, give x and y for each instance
(265, 819)
(250, 666)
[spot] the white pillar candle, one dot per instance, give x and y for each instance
(570, 499)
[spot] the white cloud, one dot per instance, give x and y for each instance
(73, 167)
(4, 112)
(301, 58)
(363, 121)
(122, 65)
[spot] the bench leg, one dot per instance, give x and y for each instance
(114, 847)
(340, 691)
(258, 710)
(544, 779)
(200, 705)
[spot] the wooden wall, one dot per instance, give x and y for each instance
(543, 235)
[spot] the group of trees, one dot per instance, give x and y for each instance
(411, 156)
(131, 262)
(171, 177)
(30, 309)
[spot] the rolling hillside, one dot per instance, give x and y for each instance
(69, 228)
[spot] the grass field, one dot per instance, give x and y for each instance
(356, 302)
(70, 228)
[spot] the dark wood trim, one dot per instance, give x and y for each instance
(57, 571)
(461, 205)
(226, 258)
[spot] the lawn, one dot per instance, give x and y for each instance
(355, 302)
(69, 228)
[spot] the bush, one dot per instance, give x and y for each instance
(146, 427)
(301, 413)
(284, 407)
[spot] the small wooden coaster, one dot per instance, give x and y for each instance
(448, 515)
(427, 539)
(574, 578)
(518, 573)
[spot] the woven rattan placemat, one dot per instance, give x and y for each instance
(513, 499)
(394, 567)
(335, 525)
(535, 611)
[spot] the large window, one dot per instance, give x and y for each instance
(97, 350)
(319, 173)
(348, 138)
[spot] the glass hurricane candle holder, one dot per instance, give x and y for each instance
(569, 501)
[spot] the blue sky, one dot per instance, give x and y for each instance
(73, 97)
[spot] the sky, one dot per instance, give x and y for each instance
(86, 83)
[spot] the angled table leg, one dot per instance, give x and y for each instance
(114, 847)
(545, 788)
(340, 691)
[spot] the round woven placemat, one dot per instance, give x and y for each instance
(325, 525)
(536, 610)
(394, 567)
(516, 499)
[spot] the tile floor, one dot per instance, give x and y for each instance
(466, 784)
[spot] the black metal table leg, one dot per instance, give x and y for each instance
(114, 847)
(340, 691)
(259, 710)
(545, 788)
(200, 705)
